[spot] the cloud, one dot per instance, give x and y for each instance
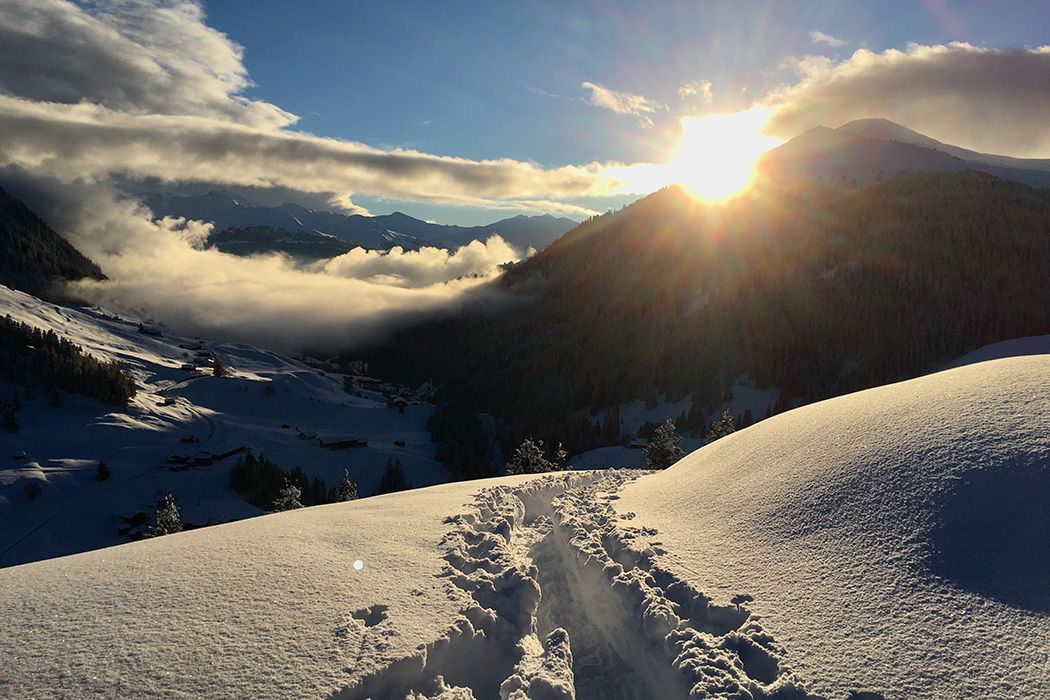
(818, 37)
(993, 100)
(623, 102)
(159, 269)
(93, 142)
(704, 88)
(144, 89)
(134, 56)
(104, 101)
(425, 267)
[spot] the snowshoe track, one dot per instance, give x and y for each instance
(567, 602)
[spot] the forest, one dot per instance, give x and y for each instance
(33, 258)
(35, 358)
(814, 288)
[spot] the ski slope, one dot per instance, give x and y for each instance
(890, 543)
(275, 405)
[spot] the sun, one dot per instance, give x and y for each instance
(715, 157)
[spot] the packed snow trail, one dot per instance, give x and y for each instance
(565, 603)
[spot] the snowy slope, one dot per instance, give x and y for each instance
(894, 540)
(1015, 347)
(63, 445)
(520, 587)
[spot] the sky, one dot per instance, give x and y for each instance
(456, 112)
(487, 80)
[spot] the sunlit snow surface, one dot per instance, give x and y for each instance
(893, 540)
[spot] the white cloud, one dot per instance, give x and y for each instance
(425, 267)
(159, 269)
(144, 89)
(703, 88)
(818, 37)
(90, 141)
(993, 100)
(623, 102)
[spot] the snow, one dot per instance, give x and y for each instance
(620, 456)
(745, 395)
(1015, 347)
(894, 540)
(529, 589)
(890, 542)
(268, 606)
(634, 414)
(74, 512)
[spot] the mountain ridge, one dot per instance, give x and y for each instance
(227, 211)
(33, 257)
(865, 149)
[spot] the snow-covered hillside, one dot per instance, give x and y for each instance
(274, 405)
(894, 540)
(890, 542)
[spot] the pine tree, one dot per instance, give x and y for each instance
(10, 418)
(721, 427)
(102, 471)
(287, 498)
(218, 368)
(664, 449)
(529, 458)
(167, 520)
(347, 488)
(393, 478)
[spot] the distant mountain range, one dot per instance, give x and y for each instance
(328, 229)
(863, 149)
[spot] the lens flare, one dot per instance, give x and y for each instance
(716, 155)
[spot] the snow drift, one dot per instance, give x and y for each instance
(894, 540)
(884, 544)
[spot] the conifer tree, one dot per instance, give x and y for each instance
(102, 471)
(10, 418)
(664, 449)
(393, 478)
(167, 519)
(287, 498)
(529, 458)
(347, 488)
(721, 427)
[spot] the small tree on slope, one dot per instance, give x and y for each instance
(347, 488)
(288, 498)
(722, 427)
(167, 518)
(665, 447)
(393, 478)
(529, 458)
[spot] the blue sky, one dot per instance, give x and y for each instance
(500, 79)
(466, 112)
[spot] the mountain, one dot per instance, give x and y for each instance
(885, 544)
(865, 149)
(885, 130)
(32, 256)
(227, 211)
(180, 430)
(255, 240)
(791, 293)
